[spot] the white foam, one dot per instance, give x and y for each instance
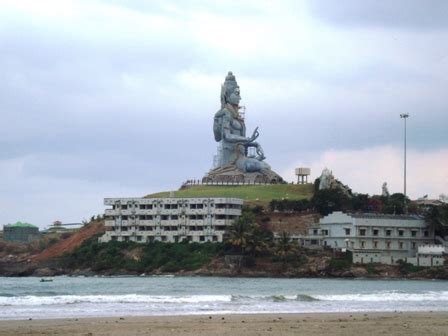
(129, 298)
(386, 296)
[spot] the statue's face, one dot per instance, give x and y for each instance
(235, 97)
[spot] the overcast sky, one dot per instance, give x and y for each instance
(116, 98)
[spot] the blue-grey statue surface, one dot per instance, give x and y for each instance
(240, 158)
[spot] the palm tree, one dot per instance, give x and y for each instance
(240, 233)
(285, 247)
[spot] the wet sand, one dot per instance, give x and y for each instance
(427, 323)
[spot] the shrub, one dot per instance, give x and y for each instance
(169, 257)
(339, 264)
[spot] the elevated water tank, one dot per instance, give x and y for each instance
(302, 175)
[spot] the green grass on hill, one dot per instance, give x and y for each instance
(253, 194)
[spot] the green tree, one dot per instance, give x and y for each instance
(240, 232)
(328, 200)
(437, 219)
(285, 248)
(248, 237)
(395, 204)
(360, 202)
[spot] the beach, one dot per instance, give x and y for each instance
(428, 323)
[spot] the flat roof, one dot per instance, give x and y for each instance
(384, 216)
(21, 224)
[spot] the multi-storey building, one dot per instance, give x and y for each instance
(373, 238)
(169, 219)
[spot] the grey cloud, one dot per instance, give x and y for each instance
(82, 129)
(408, 14)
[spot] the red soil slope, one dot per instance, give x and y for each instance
(69, 244)
(293, 223)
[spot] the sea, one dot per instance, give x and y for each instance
(77, 297)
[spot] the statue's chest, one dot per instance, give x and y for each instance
(236, 125)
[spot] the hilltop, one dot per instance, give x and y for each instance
(251, 194)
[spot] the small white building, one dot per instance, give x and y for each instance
(169, 219)
(430, 255)
(373, 238)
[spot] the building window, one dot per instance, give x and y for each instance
(315, 232)
(414, 233)
(375, 232)
(196, 206)
(388, 245)
(124, 207)
(362, 232)
(375, 244)
(388, 233)
(325, 232)
(426, 233)
(401, 245)
(139, 238)
(124, 228)
(347, 232)
(201, 238)
(400, 233)
(414, 245)
(363, 244)
(170, 206)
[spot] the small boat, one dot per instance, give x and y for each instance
(46, 280)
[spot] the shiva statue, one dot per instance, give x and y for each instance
(233, 161)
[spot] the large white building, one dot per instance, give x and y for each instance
(374, 238)
(169, 219)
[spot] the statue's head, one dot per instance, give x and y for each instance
(230, 91)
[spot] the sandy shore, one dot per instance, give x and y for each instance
(247, 325)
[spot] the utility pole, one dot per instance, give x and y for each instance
(405, 116)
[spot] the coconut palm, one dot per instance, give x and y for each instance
(240, 233)
(285, 247)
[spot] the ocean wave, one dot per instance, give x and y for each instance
(32, 300)
(306, 298)
(275, 298)
(386, 296)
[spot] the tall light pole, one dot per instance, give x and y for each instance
(405, 116)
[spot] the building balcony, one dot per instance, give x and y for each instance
(109, 222)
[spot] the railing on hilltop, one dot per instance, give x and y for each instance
(190, 183)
